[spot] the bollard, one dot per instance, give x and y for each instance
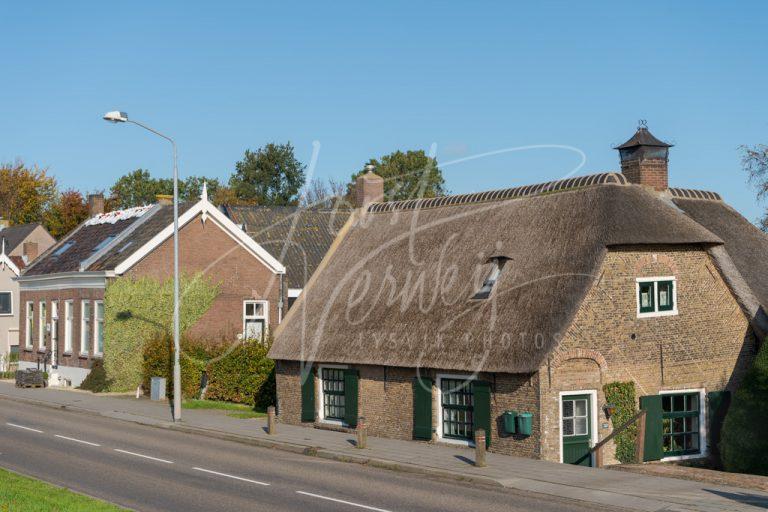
(362, 433)
(271, 427)
(480, 448)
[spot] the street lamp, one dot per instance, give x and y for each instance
(122, 117)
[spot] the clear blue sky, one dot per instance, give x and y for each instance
(366, 79)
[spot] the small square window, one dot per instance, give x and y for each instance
(666, 295)
(646, 297)
(6, 303)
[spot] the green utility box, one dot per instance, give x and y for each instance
(525, 423)
(510, 418)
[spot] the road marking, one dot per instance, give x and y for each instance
(144, 456)
(342, 501)
(24, 428)
(76, 440)
(230, 476)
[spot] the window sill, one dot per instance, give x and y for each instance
(98, 355)
(657, 314)
(456, 442)
(83, 355)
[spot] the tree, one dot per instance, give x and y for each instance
(755, 162)
(138, 188)
(324, 194)
(26, 193)
(271, 175)
(69, 210)
(407, 175)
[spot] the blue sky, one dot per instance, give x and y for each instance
(365, 79)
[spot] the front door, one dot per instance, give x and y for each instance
(576, 429)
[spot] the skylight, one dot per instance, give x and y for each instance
(103, 243)
(485, 290)
(124, 247)
(64, 247)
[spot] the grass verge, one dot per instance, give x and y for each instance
(29, 495)
(239, 410)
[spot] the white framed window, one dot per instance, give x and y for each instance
(656, 296)
(98, 332)
(69, 318)
(41, 324)
(6, 303)
(684, 423)
(255, 319)
(54, 325)
(30, 324)
(330, 397)
(85, 326)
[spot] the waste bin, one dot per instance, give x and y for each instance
(509, 422)
(157, 389)
(524, 423)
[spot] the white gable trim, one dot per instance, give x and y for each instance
(208, 212)
(5, 261)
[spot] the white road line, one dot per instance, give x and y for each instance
(76, 440)
(24, 428)
(230, 476)
(342, 501)
(144, 456)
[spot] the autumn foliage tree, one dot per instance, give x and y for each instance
(26, 193)
(64, 215)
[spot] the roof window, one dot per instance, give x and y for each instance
(103, 243)
(64, 248)
(125, 246)
(485, 291)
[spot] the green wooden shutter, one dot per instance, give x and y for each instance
(307, 394)
(422, 408)
(654, 440)
(481, 392)
(350, 396)
(717, 407)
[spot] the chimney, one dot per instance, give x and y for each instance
(29, 251)
(164, 199)
(95, 204)
(369, 188)
(645, 159)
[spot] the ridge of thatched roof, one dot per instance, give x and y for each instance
(396, 289)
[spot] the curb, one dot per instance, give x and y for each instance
(300, 449)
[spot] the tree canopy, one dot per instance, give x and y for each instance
(271, 175)
(755, 162)
(407, 175)
(64, 215)
(26, 193)
(138, 188)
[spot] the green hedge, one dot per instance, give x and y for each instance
(139, 310)
(743, 443)
(622, 395)
(96, 381)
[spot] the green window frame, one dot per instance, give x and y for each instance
(334, 407)
(665, 295)
(681, 413)
(457, 409)
(646, 297)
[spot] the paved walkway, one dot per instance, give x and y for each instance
(614, 488)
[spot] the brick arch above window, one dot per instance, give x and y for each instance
(580, 353)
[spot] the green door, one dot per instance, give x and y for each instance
(576, 430)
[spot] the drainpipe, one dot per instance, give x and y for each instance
(280, 302)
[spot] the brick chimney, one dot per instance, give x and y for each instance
(95, 204)
(29, 251)
(369, 188)
(645, 159)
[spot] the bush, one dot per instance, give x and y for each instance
(158, 362)
(96, 381)
(622, 395)
(743, 444)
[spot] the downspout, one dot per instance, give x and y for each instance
(280, 302)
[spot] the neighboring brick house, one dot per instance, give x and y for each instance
(298, 237)
(62, 293)
(432, 317)
(19, 245)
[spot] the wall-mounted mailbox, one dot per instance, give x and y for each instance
(525, 423)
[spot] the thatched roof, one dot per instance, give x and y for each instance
(396, 288)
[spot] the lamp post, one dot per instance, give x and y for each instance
(122, 117)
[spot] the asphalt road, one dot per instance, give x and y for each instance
(151, 469)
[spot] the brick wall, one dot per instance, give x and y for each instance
(76, 357)
(653, 172)
(206, 248)
(708, 344)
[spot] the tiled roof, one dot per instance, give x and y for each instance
(14, 235)
(297, 237)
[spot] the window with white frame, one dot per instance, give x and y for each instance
(30, 324)
(54, 325)
(254, 319)
(98, 333)
(6, 303)
(656, 296)
(85, 326)
(69, 318)
(41, 325)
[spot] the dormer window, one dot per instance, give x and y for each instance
(485, 291)
(656, 296)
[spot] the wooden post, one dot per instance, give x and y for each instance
(640, 440)
(271, 427)
(362, 433)
(480, 448)
(599, 457)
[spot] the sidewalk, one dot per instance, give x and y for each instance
(613, 488)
